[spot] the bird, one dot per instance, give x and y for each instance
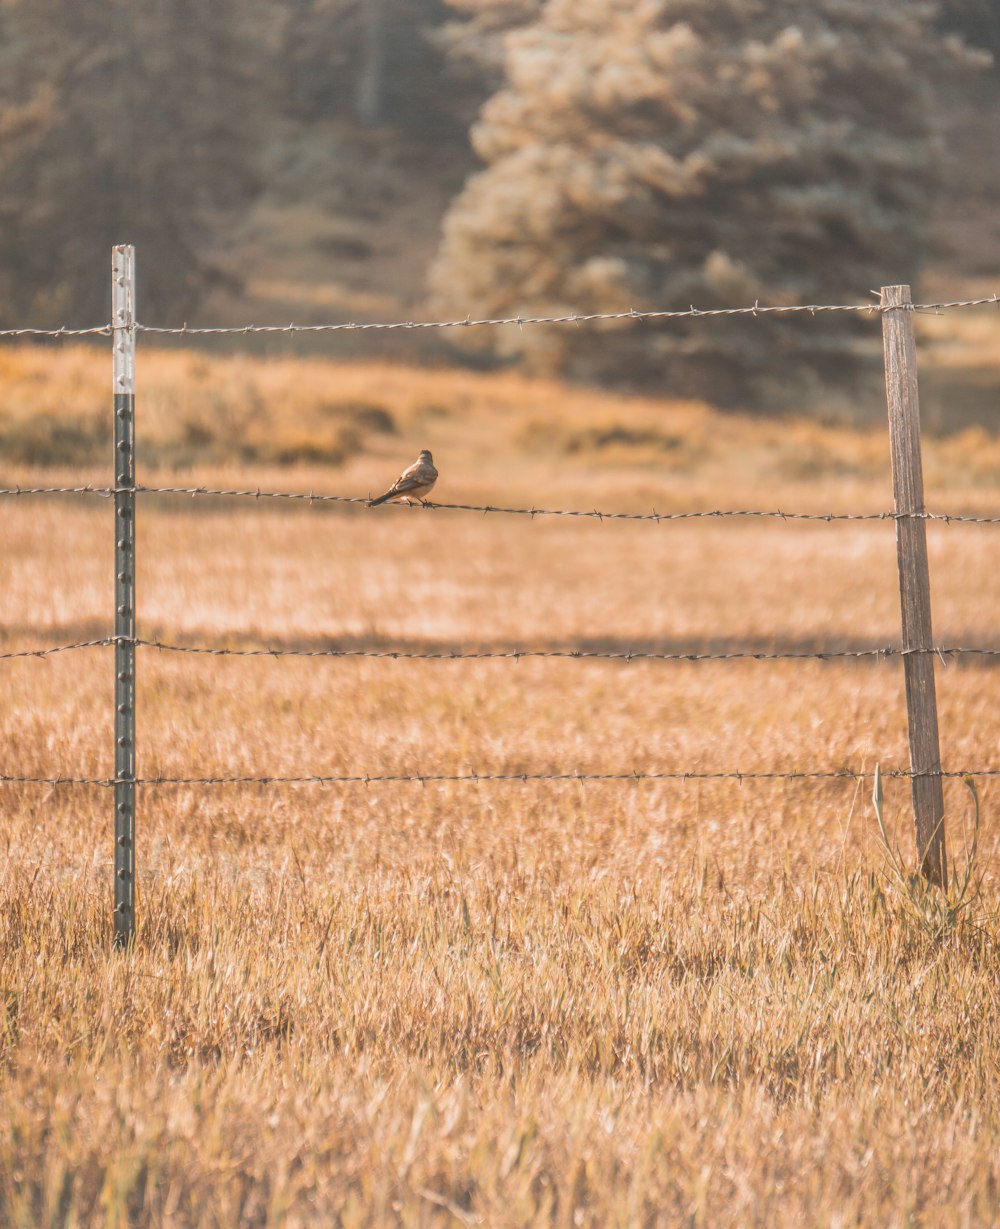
(413, 483)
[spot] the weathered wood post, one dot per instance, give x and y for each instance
(914, 578)
(123, 376)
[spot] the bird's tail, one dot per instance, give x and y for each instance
(374, 503)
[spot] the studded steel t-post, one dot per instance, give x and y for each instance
(123, 333)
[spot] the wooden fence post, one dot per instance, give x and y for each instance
(914, 579)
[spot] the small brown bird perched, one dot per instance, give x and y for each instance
(413, 483)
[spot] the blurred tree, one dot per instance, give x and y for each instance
(662, 153)
(367, 60)
(120, 121)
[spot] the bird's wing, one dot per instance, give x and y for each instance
(417, 475)
(406, 484)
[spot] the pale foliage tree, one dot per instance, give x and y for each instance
(667, 153)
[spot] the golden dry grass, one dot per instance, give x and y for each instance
(703, 1003)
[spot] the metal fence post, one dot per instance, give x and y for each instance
(914, 579)
(123, 321)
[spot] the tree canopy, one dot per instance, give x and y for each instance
(666, 153)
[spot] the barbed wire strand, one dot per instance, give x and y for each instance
(98, 330)
(594, 514)
(813, 309)
(626, 655)
(314, 497)
(59, 648)
(105, 491)
(478, 778)
(757, 309)
(517, 654)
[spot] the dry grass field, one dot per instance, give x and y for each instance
(706, 1003)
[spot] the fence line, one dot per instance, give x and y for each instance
(479, 778)
(517, 654)
(925, 772)
(812, 309)
(313, 497)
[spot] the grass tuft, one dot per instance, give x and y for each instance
(938, 912)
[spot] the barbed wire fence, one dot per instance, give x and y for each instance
(812, 309)
(917, 650)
